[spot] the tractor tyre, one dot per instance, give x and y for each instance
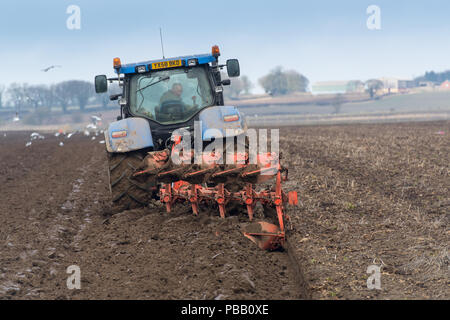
(128, 192)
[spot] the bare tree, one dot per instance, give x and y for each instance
(47, 97)
(2, 90)
(355, 86)
(247, 85)
(279, 82)
(81, 92)
(62, 94)
(237, 87)
(337, 103)
(296, 81)
(103, 98)
(373, 85)
(35, 95)
(274, 83)
(17, 96)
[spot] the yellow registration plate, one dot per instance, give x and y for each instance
(166, 64)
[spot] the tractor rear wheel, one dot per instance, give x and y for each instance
(128, 192)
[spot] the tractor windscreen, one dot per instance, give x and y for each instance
(170, 96)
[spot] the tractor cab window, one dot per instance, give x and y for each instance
(170, 96)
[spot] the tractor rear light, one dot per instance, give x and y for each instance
(116, 63)
(119, 134)
(141, 69)
(215, 51)
(234, 117)
(192, 62)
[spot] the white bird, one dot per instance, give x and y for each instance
(91, 126)
(96, 118)
(49, 68)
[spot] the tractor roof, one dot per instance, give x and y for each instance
(166, 63)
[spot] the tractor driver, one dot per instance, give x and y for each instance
(174, 94)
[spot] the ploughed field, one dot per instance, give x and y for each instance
(369, 195)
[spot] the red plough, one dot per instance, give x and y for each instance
(265, 235)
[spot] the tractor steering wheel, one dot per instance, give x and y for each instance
(171, 110)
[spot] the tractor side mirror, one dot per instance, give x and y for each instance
(101, 84)
(233, 68)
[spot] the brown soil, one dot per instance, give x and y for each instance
(55, 212)
(369, 194)
(372, 194)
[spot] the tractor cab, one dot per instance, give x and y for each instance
(170, 91)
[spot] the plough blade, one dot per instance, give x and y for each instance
(265, 235)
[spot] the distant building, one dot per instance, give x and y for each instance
(395, 85)
(406, 84)
(390, 85)
(337, 87)
(426, 84)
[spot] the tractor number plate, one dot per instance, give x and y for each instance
(166, 64)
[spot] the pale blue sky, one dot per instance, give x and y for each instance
(324, 40)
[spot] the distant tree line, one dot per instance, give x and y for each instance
(75, 93)
(239, 86)
(78, 93)
(276, 82)
(280, 82)
(437, 77)
(2, 89)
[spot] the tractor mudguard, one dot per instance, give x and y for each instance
(128, 135)
(219, 119)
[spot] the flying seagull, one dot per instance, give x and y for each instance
(51, 67)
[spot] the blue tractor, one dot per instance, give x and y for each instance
(164, 101)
